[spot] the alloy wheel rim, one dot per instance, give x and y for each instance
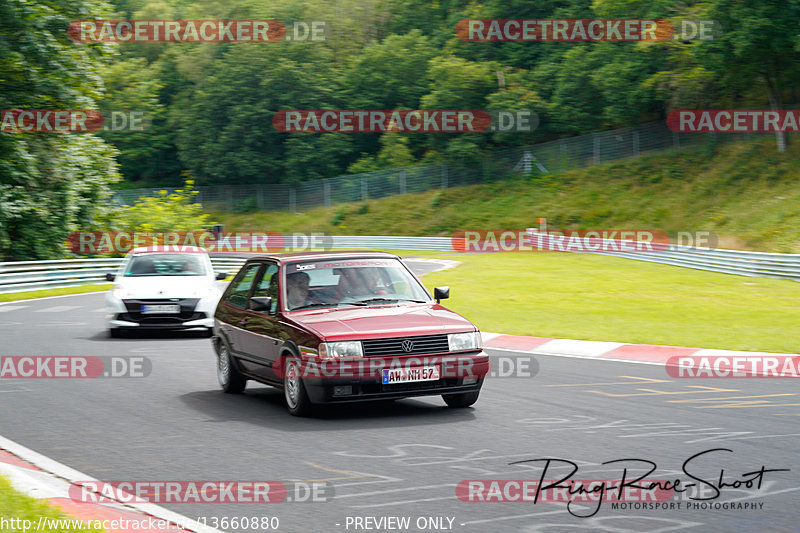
(292, 385)
(223, 366)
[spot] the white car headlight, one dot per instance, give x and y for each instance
(335, 350)
(120, 293)
(464, 341)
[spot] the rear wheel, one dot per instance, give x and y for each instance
(297, 401)
(464, 399)
(229, 378)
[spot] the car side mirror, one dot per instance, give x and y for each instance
(110, 277)
(221, 275)
(441, 293)
(260, 303)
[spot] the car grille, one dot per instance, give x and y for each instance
(425, 344)
(187, 313)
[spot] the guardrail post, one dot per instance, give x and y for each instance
(229, 198)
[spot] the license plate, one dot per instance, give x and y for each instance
(408, 375)
(163, 309)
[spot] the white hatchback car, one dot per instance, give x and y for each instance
(163, 287)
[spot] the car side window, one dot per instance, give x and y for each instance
(268, 286)
(241, 285)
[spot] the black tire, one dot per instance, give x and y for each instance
(114, 333)
(209, 332)
(464, 399)
(230, 380)
(294, 391)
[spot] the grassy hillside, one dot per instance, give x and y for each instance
(745, 192)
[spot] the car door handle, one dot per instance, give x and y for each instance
(244, 321)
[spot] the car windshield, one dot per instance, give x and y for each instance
(165, 265)
(346, 282)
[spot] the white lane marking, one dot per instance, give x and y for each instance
(374, 492)
(51, 297)
(56, 477)
(573, 347)
(12, 308)
(58, 309)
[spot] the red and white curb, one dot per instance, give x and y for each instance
(607, 351)
(42, 478)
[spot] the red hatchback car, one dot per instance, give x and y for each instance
(336, 327)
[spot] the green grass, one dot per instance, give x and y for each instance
(745, 192)
(78, 289)
(592, 297)
(14, 504)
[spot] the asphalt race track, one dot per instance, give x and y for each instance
(404, 458)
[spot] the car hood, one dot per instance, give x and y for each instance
(382, 321)
(167, 286)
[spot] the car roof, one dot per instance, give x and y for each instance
(311, 256)
(169, 248)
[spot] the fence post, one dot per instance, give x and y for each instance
(326, 191)
(364, 191)
(562, 154)
(444, 177)
(403, 181)
(595, 149)
(676, 140)
(260, 196)
(636, 143)
(292, 200)
(229, 197)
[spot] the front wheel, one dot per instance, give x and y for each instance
(229, 378)
(464, 399)
(297, 401)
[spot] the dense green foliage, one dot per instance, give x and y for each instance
(50, 184)
(211, 105)
(215, 102)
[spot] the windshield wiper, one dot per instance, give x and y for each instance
(312, 306)
(371, 300)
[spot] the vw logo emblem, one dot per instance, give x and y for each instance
(407, 345)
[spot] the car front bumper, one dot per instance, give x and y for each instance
(322, 390)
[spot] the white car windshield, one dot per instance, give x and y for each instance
(165, 265)
(350, 282)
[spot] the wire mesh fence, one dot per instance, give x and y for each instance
(548, 157)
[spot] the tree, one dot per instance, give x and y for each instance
(50, 184)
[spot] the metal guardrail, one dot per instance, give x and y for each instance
(30, 275)
(20, 276)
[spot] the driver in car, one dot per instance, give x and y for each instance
(298, 294)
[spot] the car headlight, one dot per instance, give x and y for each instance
(464, 341)
(335, 350)
(120, 293)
